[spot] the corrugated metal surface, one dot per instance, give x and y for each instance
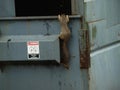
(103, 18)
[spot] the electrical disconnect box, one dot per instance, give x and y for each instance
(25, 48)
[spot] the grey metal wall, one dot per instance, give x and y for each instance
(43, 77)
(103, 17)
(17, 76)
(7, 8)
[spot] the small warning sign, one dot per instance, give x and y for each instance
(33, 50)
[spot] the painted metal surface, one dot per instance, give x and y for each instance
(103, 19)
(15, 48)
(32, 76)
(43, 77)
(104, 71)
(7, 8)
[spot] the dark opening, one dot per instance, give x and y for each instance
(42, 7)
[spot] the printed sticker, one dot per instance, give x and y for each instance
(33, 50)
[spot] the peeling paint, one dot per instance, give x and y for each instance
(85, 52)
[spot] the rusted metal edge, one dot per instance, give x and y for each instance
(84, 50)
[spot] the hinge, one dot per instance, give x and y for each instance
(84, 49)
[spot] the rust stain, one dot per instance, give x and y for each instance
(85, 52)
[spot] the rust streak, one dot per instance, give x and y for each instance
(85, 52)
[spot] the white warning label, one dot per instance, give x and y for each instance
(33, 50)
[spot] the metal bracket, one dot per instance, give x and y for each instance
(84, 49)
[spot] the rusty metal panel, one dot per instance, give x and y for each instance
(84, 49)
